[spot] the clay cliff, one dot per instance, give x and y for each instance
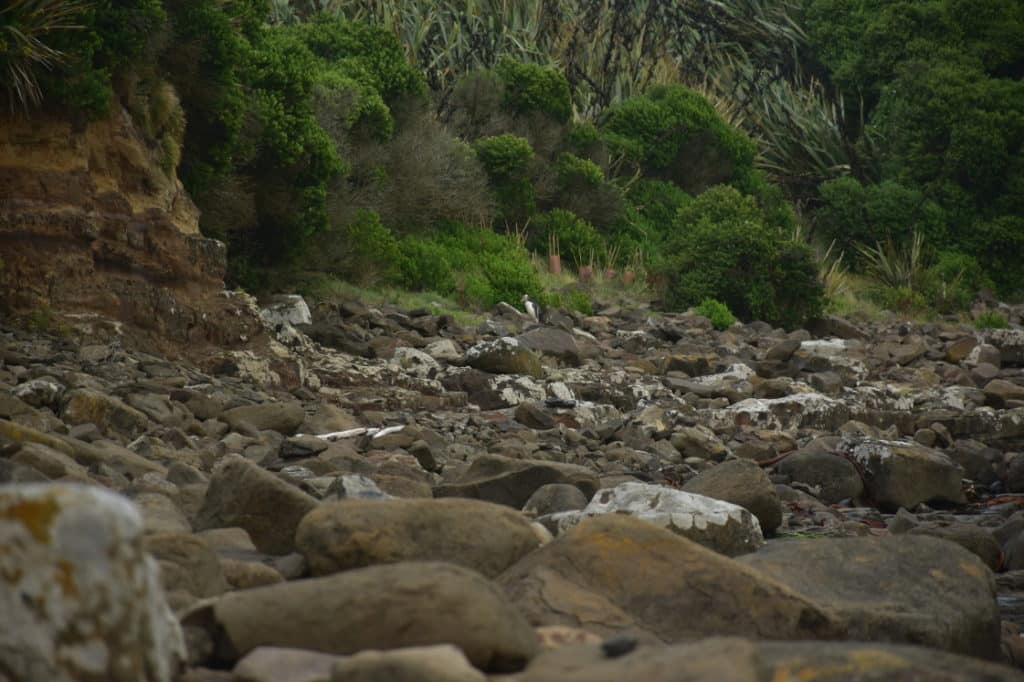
(91, 223)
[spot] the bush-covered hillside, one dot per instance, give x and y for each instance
(778, 157)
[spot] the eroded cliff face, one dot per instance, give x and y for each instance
(91, 223)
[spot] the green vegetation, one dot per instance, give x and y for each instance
(779, 158)
(991, 319)
(723, 248)
(716, 311)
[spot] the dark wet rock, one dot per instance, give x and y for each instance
(833, 477)
(552, 342)
(743, 483)
(244, 495)
(504, 356)
(532, 415)
(555, 497)
(511, 482)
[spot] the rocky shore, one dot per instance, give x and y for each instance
(383, 494)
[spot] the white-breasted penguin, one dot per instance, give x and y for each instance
(533, 308)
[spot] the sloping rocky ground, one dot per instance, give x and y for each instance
(378, 494)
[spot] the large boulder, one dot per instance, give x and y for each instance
(244, 495)
(721, 526)
(380, 607)
(834, 477)
(354, 533)
(505, 355)
(79, 597)
(906, 588)
(742, 660)
(553, 342)
(111, 415)
(283, 417)
(512, 482)
(744, 483)
(904, 473)
(616, 574)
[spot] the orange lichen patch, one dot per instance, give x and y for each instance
(859, 662)
(35, 515)
(937, 574)
(972, 569)
(66, 578)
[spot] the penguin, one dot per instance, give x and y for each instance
(533, 308)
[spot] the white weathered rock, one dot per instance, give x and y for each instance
(443, 349)
(724, 527)
(41, 392)
(287, 308)
(799, 410)
(80, 598)
(415, 362)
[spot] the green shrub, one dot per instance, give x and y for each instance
(953, 281)
(205, 65)
(373, 251)
(997, 244)
(717, 312)
(510, 275)
(578, 240)
(482, 266)
(115, 37)
(576, 173)
(423, 266)
(902, 299)
(722, 249)
(991, 319)
(369, 54)
(867, 214)
(504, 157)
(530, 87)
(799, 292)
(579, 301)
(506, 160)
(673, 133)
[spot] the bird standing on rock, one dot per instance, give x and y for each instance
(533, 308)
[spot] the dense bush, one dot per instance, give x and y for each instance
(991, 319)
(953, 281)
(938, 89)
(534, 88)
(481, 266)
(423, 176)
(423, 266)
(578, 242)
(855, 214)
(205, 66)
(116, 38)
(716, 311)
(674, 133)
(576, 174)
(507, 160)
(722, 249)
